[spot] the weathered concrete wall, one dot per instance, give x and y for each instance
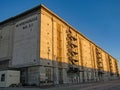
(25, 42)
(6, 41)
(46, 37)
(86, 54)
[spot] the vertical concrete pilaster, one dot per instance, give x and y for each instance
(55, 74)
(81, 77)
(65, 78)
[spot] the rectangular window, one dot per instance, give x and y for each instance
(2, 77)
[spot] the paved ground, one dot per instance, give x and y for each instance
(111, 85)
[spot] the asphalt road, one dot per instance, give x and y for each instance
(109, 85)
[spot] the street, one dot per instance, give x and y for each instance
(108, 85)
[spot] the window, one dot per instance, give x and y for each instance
(2, 77)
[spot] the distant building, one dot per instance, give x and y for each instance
(47, 50)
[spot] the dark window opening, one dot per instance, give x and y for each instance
(1, 37)
(2, 77)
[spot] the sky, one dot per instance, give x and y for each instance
(99, 20)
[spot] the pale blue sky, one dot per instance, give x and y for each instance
(99, 20)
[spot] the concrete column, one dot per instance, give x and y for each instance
(85, 76)
(42, 73)
(55, 76)
(65, 78)
(81, 77)
(94, 76)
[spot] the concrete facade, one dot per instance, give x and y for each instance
(47, 50)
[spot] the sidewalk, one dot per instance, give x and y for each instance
(80, 86)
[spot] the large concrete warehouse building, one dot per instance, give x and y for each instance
(47, 50)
